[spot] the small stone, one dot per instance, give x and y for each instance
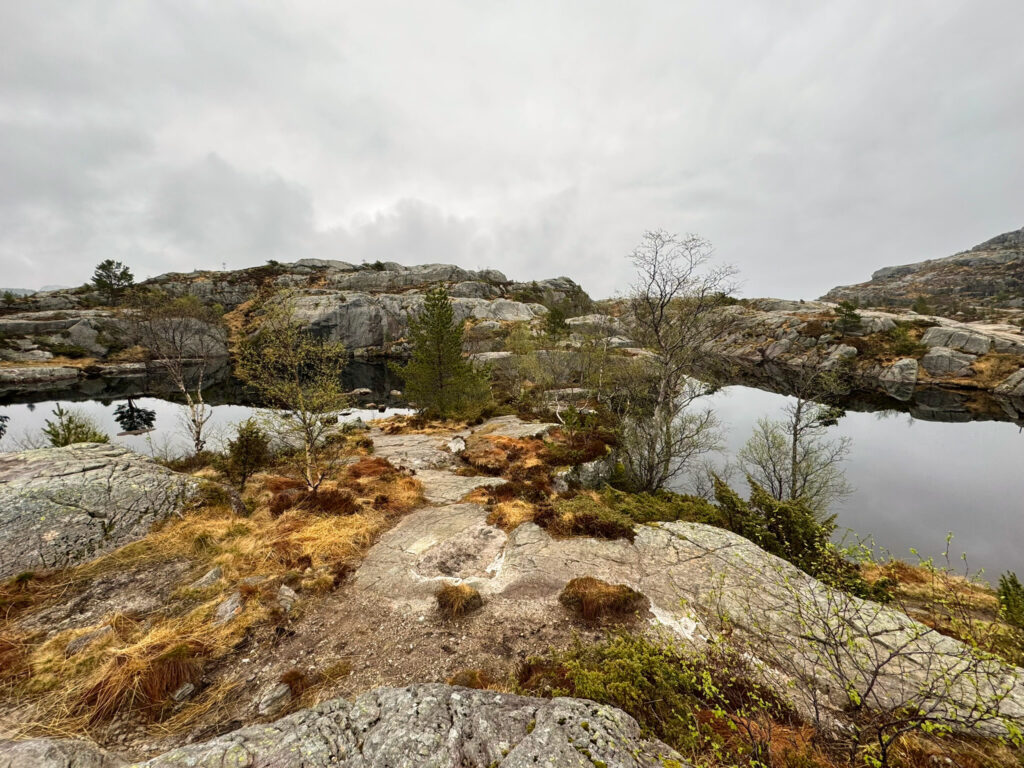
(81, 642)
(286, 597)
(184, 692)
(208, 579)
(274, 700)
(228, 609)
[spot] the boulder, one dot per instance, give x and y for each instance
(433, 725)
(61, 506)
(900, 378)
(943, 362)
(957, 338)
(1013, 385)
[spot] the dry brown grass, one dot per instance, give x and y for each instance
(414, 424)
(480, 679)
(134, 666)
(455, 600)
(992, 369)
(509, 515)
(593, 599)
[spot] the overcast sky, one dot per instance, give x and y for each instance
(811, 142)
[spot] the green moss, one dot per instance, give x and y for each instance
(661, 506)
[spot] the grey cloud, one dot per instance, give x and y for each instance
(810, 142)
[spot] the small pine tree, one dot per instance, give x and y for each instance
(4, 419)
(112, 279)
(554, 324)
(9, 298)
(248, 453)
(848, 320)
(437, 377)
(71, 426)
(920, 306)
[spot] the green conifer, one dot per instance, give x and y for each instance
(437, 378)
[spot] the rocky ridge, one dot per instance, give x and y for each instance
(366, 307)
(991, 273)
(895, 353)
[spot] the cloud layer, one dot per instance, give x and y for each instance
(810, 142)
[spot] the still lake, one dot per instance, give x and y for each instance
(913, 480)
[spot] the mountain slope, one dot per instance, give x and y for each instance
(990, 274)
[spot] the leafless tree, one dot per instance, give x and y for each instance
(677, 308)
(791, 458)
(186, 339)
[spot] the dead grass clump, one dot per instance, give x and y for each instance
(455, 600)
(278, 483)
(143, 677)
(14, 659)
(509, 515)
(332, 501)
(283, 501)
(593, 599)
(415, 424)
(480, 679)
(370, 466)
(296, 680)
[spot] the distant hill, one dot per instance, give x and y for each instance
(17, 291)
(988, 275)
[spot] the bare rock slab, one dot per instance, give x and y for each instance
(435, 726)
(62, 506)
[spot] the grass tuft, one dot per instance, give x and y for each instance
(455, 600)
(593, 599)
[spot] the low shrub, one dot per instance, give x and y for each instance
(698, 703)
(584, 516)
(660, 506)
(593, 599)
(455, 600)
(371, 466)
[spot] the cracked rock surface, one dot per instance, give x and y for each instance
(426, 726)
(62, 506)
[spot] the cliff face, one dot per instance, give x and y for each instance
(990, 274)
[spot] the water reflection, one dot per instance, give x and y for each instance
(133, 419)
(916, 480)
